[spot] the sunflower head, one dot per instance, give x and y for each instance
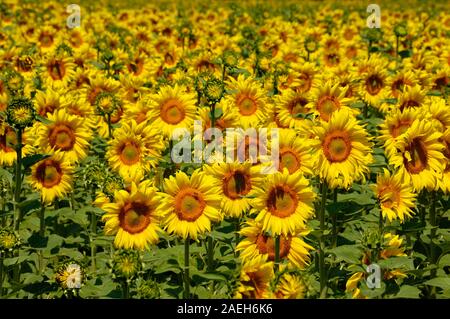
(14, 81)
(230, 59)
(70, 275)
(126, 264)
(400, 30)
(310, 45)
(20, 113)
(93, 174)
(106, 103)
(214, 90)
(9, 240)
(148, 289)
(112, 183)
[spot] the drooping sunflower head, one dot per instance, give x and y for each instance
(20, 113)
(343, 150)
(255, 278)
(411, 97)
(290, 286)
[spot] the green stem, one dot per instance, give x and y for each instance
(433, 250)
(334, 220)
(93, 246)
(223, 73)
(3, 211)
(125, 290)
(396, 46)
(322, 270)
(277, 252)
(1, 275)
(380, 223)
(213, 112)
(18, 179)
(41, 234)
(186, 293)
(236, 233)
(210, 247)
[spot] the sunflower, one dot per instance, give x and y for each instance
(249, 100)
(254, 281)
(399, 82)
(171, 108)
(237, 181)
(411, 97)
(343, 150)
(373, 88)
(291, 109)
(352, 285)
(304, 77)
(49, 100)
(294, 153)
(290, 286)
(439, 112)
(396, 198)
(8, 141)
(66, 133)
(283, 203)
(134, 149)
(395, 124)
(257, 243)
(59, 70)
(419, 156)
(444, 182)
(133, 217)
(190, 204)
(327, 98)
(52, 177)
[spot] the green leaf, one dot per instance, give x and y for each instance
(444, 260)
(405, 53)
(408, 292)
(43, 120)
(397, 262)
(348, 253)
(209, 276)
(441, 282)
(30, 160)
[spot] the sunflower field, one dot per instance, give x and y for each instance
(209, 149)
